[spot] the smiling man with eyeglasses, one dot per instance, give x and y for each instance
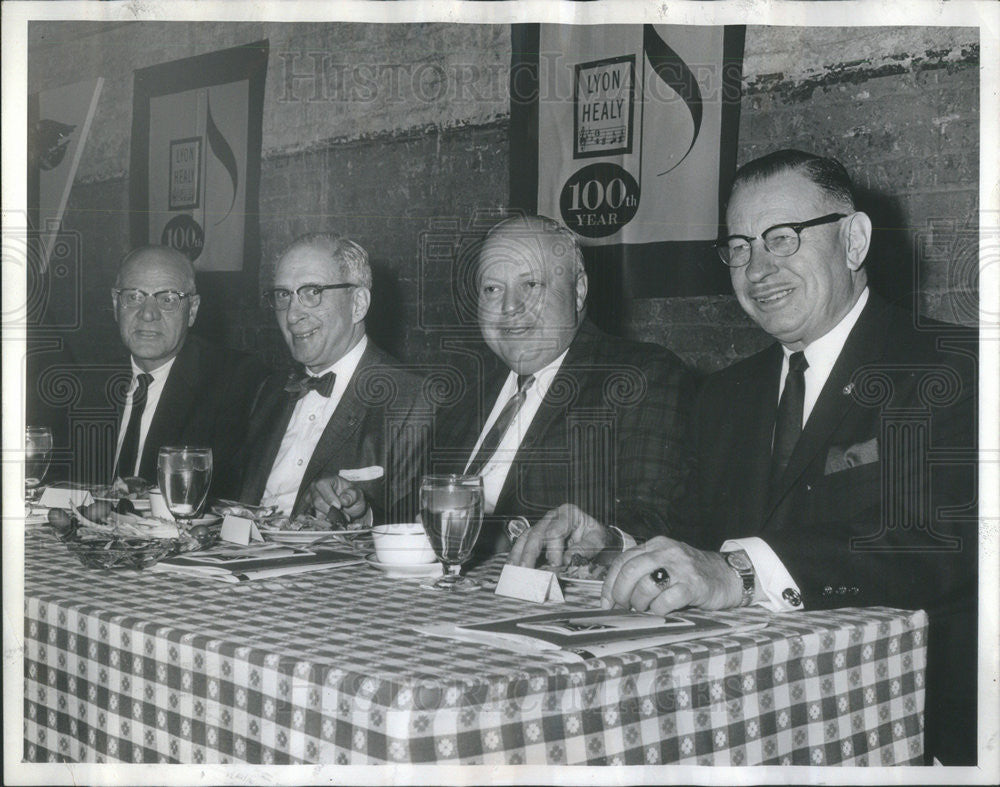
(332, 414)
(837, 467)
(183, 389)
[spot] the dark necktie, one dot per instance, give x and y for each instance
(300, 385)
(130, 443)
(492, 439)
(788, 423)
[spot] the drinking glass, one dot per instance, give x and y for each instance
(37, 453)
(451, 510)
(184, 473)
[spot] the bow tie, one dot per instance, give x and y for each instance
(302, 384)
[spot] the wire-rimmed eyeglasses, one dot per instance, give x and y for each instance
(782, 240)
(166, 300)
(309, 295)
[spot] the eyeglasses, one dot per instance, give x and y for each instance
(782, 240)
(309, 295)
(166, 300)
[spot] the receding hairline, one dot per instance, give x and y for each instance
(350, 257)
(162, 255)
(540, 228)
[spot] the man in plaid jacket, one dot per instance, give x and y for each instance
(572, 419)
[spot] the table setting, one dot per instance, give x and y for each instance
(343, 646)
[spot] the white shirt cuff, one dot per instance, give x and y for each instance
(773, 579)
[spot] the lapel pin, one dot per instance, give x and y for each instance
(848, 389)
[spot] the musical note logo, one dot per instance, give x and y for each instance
(668, 66)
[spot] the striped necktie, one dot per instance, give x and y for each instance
(500, 426)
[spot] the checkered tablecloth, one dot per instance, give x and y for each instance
(325, 668)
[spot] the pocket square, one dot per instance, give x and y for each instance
(839, 458)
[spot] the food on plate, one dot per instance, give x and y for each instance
(97, 511)
(311, 523)
(60, 520)
(132, 487)
(580, 567)
(235, 508)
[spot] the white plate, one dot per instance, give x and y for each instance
(584, 582)
(403, 571)
(306, 536)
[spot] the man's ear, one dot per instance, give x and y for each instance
(581, 291)
(195, 303)
(114, 305)
(361, 299)
(857, 233)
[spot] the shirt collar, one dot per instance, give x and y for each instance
(543, 377)
(824, 351)
(159, 373)
(344, 366)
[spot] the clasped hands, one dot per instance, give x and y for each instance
(337, 500)
(696, 578)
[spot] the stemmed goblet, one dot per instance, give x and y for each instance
(451, 510)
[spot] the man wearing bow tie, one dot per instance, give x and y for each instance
(349, 406)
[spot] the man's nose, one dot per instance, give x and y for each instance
(761, 263)
(150, 310)
(512, 302)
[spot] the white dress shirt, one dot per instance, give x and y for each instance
(497, 467)
(153, 393)
(771, 575)
(309, 418)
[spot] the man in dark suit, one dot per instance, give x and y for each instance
(837, 467)
(183, 391)
(352, 408)
(573, 420)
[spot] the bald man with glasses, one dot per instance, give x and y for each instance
(346, 406)
(183, 389)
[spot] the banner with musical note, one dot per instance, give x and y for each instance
(636, 129)
(196, 157)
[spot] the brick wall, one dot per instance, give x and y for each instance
(899, 107)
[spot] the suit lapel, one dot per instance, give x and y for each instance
(270, 420)
(176, 400)
(346, 420)
(751, 438)
(572, 376)
(864, 344)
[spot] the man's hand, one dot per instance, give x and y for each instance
(697, 579)
(328, 496)
(560, 534)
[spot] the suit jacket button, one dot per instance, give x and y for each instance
(793, 598)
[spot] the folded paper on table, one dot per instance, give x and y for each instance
(263, 561)
(575, 636)
(55, 497)
(238, 530)
(529, 584)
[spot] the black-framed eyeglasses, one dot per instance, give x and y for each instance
(782, 240)
(309, 295)
(166, 300)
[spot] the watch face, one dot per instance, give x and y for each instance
(738, 561)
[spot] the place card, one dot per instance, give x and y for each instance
(239, 530)
(529, 584)
(65, 498)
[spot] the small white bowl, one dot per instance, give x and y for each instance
(402, 544)
(158, 505)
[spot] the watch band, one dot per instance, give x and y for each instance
(739, 561)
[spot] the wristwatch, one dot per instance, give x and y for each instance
(739, 562)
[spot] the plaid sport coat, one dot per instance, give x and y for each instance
(610, 436)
